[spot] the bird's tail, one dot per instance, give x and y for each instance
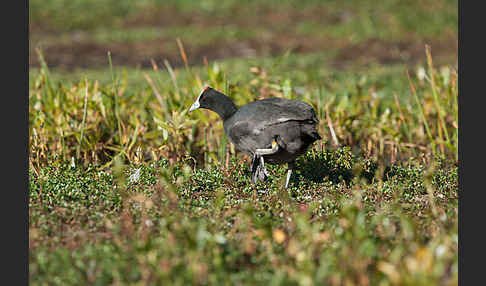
(312, 133)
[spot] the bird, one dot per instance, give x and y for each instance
(270, 130)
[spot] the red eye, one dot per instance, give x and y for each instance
(206, 88)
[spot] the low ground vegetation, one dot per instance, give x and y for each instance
(126, 187)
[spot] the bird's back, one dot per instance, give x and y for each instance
(270, 111)
(256, 124)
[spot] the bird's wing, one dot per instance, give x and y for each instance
(247, 130)
(243, 136)
(279, 110)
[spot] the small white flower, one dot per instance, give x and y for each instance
(440, 250)
(421, 73)
(135, 176)
(443, 217)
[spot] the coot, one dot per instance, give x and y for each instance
(272, 130)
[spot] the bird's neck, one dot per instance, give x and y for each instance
(224, 107)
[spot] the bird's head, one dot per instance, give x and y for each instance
(216, 101)
(204, 100)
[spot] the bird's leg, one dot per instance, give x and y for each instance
(262, 164)
(254, 167)
(257, 169)
(262, 172)
(290, 167)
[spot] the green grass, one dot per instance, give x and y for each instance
(390, 22)
(191, 35)
(141, 30)
(301, 70)
(364, 17)
(207, 226)
(128, 188)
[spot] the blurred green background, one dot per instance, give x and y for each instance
(77, 34)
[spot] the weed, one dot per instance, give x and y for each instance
(126, 188)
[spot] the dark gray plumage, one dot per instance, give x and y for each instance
(291, 124)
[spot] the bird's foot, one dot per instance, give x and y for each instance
(258, 170)
(255, 162)
(262, 173)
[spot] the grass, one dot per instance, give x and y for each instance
(371, 110)
(364, 16)
(137, 31)
(126, 187)
(208, 226)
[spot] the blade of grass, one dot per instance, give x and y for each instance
(205, 149)
(156, 92)
(174, 80)
(160, 82)
(78, 151)
(441, 138)
(402, 118)
(434, 93)
(331, 128)
(455, 108)
(184, 57)
(132, 142)
(45, 70)
(115, 98)
(419, 105)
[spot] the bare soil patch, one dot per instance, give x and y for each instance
(89, 54)
(279, 35)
